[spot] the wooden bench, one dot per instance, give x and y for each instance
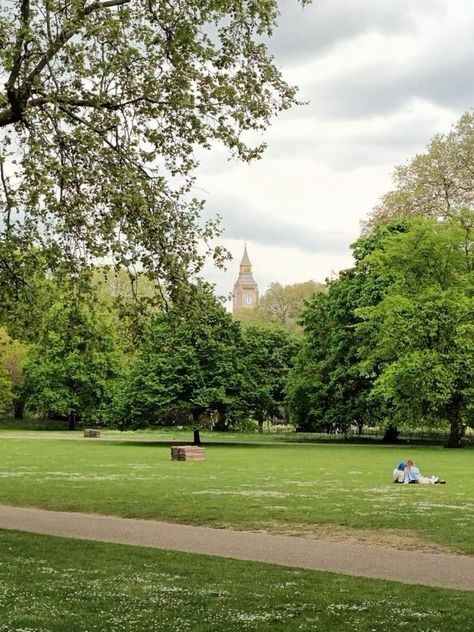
(187, 453)
(91, 432)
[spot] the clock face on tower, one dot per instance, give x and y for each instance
(248, 299)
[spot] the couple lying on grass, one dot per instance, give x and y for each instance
(408, 472)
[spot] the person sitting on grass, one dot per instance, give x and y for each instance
(412, 474)
(399, 472)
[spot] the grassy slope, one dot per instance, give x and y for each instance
(296, 489)
(56, 585)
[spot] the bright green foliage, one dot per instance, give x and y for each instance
(422, 332)
(69, 372)
(26, 288)
(325, 388)
(6, 394)
(102, 108)
(121, 286)
(394, 337)
(191, 363)
(269, 353)
(12, 358)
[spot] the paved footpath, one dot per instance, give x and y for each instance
(416, 567)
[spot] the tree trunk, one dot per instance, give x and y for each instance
(72, 420)
(456, 426)
(391, 434)
(196, 435)
(18, 408)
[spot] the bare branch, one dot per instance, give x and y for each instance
(8, 200)
(113, 3)
(89, 102)
(22, 32)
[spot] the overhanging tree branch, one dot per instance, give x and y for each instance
(110, 105)
(90, 102)
(18, 97)
(106, 141)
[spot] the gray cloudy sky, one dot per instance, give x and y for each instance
(381, 77)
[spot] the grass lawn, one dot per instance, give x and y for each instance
(58, 429)
(341, 490)
(56, 585)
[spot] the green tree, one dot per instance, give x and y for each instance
(269, 353)
(71, 369)
(283, 304)
(422, 333)
(191, 363)
(13, 355)
(6, 386)
(326, 389)
(130, 297)
(102, 108)
(26, 288)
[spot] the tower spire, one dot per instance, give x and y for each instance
(245, 289)
(245, 259)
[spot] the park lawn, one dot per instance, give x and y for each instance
(50, 584)
(337, 490)
(58, 430)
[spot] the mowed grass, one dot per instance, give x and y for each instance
(56, 585)
(337, 490)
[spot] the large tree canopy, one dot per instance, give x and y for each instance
(191, 363)
(326, 389)
(269, 352)
(71, 369)
(420, 336)
(103, 105)
(393, 339)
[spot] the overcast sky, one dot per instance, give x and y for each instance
(381, 77)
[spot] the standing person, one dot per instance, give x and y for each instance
(413, 475)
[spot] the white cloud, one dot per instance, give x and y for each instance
(382, 78)
(329, 23)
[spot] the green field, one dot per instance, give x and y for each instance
(337, 490)
(57, 585)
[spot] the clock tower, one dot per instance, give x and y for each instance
(245, 294)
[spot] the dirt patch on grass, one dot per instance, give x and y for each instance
(395, 538)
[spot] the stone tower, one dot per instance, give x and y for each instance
(245, 289)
